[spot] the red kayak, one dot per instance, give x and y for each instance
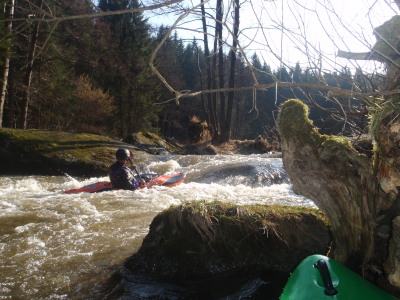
(151, 181)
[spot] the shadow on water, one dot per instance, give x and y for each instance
(239, 285)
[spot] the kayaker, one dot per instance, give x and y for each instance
(121, 176)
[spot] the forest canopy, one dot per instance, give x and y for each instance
(104, 68)
(63, 61)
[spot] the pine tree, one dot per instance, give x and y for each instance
(124, 67)
(189, 65)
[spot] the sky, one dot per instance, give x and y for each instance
(310, 27)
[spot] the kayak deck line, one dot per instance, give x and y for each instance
(318, 277)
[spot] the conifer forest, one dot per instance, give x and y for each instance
(64, 71)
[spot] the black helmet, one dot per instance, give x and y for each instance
(123, 154)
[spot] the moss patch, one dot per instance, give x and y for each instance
(56, 152)
(295, 126)
(380, 112)
(381, 117)
(293, 122)
(387, 36)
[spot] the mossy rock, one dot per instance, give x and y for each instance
(198, 239)
(152, 143)
(299, 134)
(387, 38)
(44, 152)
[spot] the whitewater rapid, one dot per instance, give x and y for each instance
(63, 246)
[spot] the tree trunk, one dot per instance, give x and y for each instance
(9, 14)
(358, 194)
(209, 112)
(397, 3)
(213, 104)
(221, 75)
(23, 123)
(332, 174)
(12, 121)
(202, 97)
(226, 132)
(344, 184)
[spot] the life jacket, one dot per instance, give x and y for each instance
(122, 177)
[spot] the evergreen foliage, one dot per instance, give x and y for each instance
(125, 73)
(103, 64)
(5, 41)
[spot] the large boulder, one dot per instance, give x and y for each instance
(197, 240)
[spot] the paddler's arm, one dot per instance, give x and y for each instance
(142, 182)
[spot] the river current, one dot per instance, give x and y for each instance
(67, 246)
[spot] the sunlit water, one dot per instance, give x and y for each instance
(64, 246)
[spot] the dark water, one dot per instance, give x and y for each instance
(243, 284)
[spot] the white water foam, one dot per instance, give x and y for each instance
(55, 245)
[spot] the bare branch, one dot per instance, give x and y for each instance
(352, 55)
(153, 55)
(334, 91)
(51, 18)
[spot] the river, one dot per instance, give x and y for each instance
(67, 246)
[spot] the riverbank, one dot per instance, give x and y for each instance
(44, 152)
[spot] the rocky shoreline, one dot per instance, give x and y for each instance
(43, 152)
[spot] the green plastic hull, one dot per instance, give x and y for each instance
(306, 283)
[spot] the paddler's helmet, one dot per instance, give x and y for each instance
(123, 154)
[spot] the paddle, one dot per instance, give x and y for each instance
(142, 181)
(137, 172)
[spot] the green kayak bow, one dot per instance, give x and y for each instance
(318, 277)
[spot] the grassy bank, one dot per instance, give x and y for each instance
(56, 152)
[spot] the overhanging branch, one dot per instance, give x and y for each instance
(334, 91)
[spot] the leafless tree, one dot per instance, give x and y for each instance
(358, 193)
(9, 14)
(37, 13)
(367, 188)
(315, 36)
